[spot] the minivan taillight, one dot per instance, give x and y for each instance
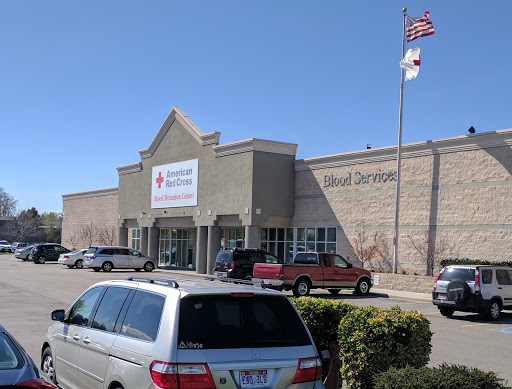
(435, 282)
(477, 281)
(93, 256)
(308, 369)
(232, 265)
(182, 375)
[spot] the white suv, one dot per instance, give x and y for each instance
(473, 288)
(155, 333)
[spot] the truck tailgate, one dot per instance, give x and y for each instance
(267, 270)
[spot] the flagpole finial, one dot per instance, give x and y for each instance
(404, 10)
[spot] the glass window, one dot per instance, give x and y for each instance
(122, 252)
(301, 234)
(327, 260)
(263, 233)
(502, 277)
(310, 233)
(143, 316)
(486, 276)
(454, 273)
(10, 357)
(331, 234)
(320, 234)
(80, 312)
(339, 261)
(109, 308)
(136, 238)
(306, 258)
(135, 253)
(259, 321)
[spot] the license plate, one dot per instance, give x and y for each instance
(250, 378)
(221, 275)
(266, 282)
(442, 297)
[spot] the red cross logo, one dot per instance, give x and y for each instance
(159, 180)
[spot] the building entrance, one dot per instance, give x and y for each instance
(177, 248)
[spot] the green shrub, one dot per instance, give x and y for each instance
(322, 317)
(467, 261)
(445, 376)
(373, 340)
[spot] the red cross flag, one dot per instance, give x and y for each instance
(411, 63)
(417, 27)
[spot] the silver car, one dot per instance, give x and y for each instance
(72, 259)
(155, 333)
(23, 252)
(107, 258)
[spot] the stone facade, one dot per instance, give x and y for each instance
(453, 199)
(89, 218)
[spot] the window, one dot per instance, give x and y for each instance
(143, 316)
(278, 241)
(177, 247)
(327, 260)
(107, 252)
(306, 258)
(234, 236)
(502, 277)
(80, 313)
(486, 276)
(136, 238)
(109, 308)
(122, 251)
(455, 273)
(259, 321)
(339, 261)
(322, 239)
(10, 358)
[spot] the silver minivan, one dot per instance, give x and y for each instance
(155, 333)
(107, 258)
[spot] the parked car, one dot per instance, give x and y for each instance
(239, 262)
(47, 252)
(23, 252)
(473, 288)
(17, 369)
(4, 246)
(153, 333)
(17, 245)
(74, 258)
(311, 270)
(107, 258)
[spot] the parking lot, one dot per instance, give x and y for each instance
(29, 292)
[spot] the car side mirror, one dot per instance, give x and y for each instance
(58, 315)
(326, 355)
(349, 265)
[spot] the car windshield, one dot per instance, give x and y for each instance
(457, 273)
(225, 321)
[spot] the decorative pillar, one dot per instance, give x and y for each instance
(122, 233)
(153, 241)
(201, 249)
(252, 239)
(144, 240)
(213, 247)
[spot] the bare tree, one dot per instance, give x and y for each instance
(108, 236)
(87, 234)
(7, 204)
(74, 240)
(430, 247)
(26, 223)
(367, 246)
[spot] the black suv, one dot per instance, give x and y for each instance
(239, 262)
(47, 252)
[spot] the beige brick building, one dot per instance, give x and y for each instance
(454, 201)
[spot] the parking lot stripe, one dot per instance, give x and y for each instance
(476, 325)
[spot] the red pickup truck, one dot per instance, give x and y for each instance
(311, 270)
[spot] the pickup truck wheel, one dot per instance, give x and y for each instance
(333, 291)
(363, 287)
(301, 288)
(446, 311)
(247, 276)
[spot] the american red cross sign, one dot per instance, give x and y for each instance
(159, 180)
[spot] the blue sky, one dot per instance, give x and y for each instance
(85, 85)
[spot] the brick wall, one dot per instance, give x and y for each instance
(89, 218)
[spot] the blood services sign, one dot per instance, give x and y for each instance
(174, 185)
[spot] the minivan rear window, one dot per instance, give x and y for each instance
(214, 322)
(454, 273)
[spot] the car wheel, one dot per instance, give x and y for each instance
(42, 259)
(79, 264)
(107, 266)
(96, 269)
(24, 259)
(149, 266)
(493, 312)
(70, 266)
(247, 276)
(35, 260)
(333, 291)
(446, 311)
(137, 269)
(363, 287)
(301, 288)
(47, 365)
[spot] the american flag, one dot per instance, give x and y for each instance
(417, 27)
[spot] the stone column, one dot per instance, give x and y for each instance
(201, 249)
(144, 240)
(213, 247)
(122, 233)
(153, 241)
(252, 238)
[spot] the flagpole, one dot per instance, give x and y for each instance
(398, 155)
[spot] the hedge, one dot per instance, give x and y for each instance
(373, 340)
(322, 317)
(467, 261)
(445, 377)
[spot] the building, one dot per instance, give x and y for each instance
(189, 195)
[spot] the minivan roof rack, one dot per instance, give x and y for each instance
(152, 280)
